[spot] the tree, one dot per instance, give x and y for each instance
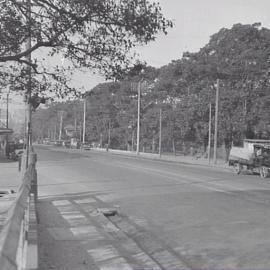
(239, 57)
(95, 34)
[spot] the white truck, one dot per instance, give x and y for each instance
(253, 156)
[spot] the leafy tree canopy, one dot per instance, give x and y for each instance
(95, 34)
(239, 57)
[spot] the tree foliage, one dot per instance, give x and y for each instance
(239, 57)
(93, 34)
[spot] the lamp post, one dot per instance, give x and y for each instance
(138, 118)
(139, 112)
(84, 119)
(109, 136)
(7, 109)
(216, 123)
(61, 125)
(29, 86)
(160, 130)
(209, 132)
(132, 140)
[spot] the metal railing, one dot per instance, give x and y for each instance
(18, 238)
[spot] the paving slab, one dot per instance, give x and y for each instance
(94, 241)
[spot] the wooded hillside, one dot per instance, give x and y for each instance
(239, 57)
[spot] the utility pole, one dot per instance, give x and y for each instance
(160, 130)
(84, 118)
(80, 131)
(29, 86)
(75, 124)
(101, 140)
(7, 101)
(209, 132)
(138, 118)
(7, 109)
(61, 125)
(54, 133)
(109, 136)
(216, 123)
(132, 140)
(75, 128)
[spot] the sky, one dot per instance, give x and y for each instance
(194, 22)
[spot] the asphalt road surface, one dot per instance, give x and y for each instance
(170, 216)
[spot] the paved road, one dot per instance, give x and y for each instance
(170, 216)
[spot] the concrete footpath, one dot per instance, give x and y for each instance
(76, 235)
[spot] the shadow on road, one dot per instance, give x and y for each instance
(74, 234)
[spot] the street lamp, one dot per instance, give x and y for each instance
(138, 113)
(138, 118)
(160, 131)
(7, 108)
(216, 122)
(84, 118)
(209, 132)
(29, 87)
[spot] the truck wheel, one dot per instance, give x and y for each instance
(263, 172)
(237, 168)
